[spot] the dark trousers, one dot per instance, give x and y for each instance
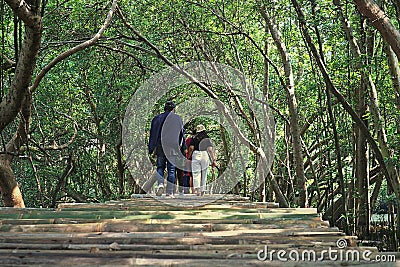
(183, 181)
(163, 162)
(179, 174)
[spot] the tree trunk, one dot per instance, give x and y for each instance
(120, 166)
(19, 97)
(377, 189)
(332, 120)
(395, 74)
(362, 162)
(301, 185)
(263, 196)
(11, 104)
(367, 81)
(61, 181)
(381, 22)
(10, 192)
(394, 70)
(9, 188)
(361, 148)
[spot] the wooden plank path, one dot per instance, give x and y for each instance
(144, 231)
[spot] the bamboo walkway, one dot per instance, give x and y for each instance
(144, 231)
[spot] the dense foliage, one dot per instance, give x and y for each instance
(74, 149)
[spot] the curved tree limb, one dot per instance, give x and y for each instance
(76, 48)
(381, 22)
(8, 63)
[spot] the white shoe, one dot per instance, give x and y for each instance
(160, 191)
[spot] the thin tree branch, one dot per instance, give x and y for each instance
(75, 49)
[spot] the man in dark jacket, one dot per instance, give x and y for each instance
(166, 141)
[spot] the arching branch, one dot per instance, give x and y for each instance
(381, 22)
(76, 48)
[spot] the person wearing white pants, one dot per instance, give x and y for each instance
(202, 149)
